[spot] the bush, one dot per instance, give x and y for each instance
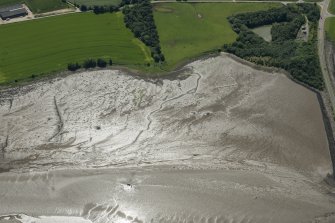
(90, 63)
(83, 8)
(73, 66)
(101, 63)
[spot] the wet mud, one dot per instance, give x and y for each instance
(225, 142)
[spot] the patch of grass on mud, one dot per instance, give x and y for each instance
(187, 30)
(38, 6)
(48, 45)
(330, 28)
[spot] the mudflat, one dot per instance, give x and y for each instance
(221, 142)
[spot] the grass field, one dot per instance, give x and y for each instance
(188, 30)
(331, 8)
(330, 28)
(38, 6)
(96, 2)
(264, 32)
(47, 45)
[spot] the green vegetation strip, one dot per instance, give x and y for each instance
(38, 6)
(188, 30)
(330, 28)
(331, 8)
(46, 45)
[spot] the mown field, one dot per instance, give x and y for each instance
(188, 30)
(47, 45)
(38, 6)
(330, 28)
(331, 8)
(96, 2)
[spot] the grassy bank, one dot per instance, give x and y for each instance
(330, 28)
(47, 45)
(188, 30)
(331, 8)
(38, 6)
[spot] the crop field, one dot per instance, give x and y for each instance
(331, 8)
(38, 6)
(330, 28)
(96, 2)
(188, 30)
(46, 45)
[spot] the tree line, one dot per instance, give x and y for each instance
(299, 58)
(99, 9)
(140, 20)
(90, 63)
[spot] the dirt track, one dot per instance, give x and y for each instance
(246, 142)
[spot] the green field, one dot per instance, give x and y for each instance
(264, 32)
(38, 6)
(188, 30)
(330, 28)
(47, 45)
(96, 2)
(331, 8)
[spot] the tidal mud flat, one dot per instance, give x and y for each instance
(223, 142)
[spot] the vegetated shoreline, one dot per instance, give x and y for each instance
(6, 91)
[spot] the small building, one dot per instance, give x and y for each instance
(12, 11)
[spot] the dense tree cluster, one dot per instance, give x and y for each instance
(129, 2)
(139, 19)
(287, 30)
(310, 10)
(89, 63)
(254, 19)
(98, 9)
(298, 58)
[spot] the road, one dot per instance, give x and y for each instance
(321, 47)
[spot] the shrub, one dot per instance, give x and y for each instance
(90, 63)
(101, 63)
(73, 66)
(83, 8)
